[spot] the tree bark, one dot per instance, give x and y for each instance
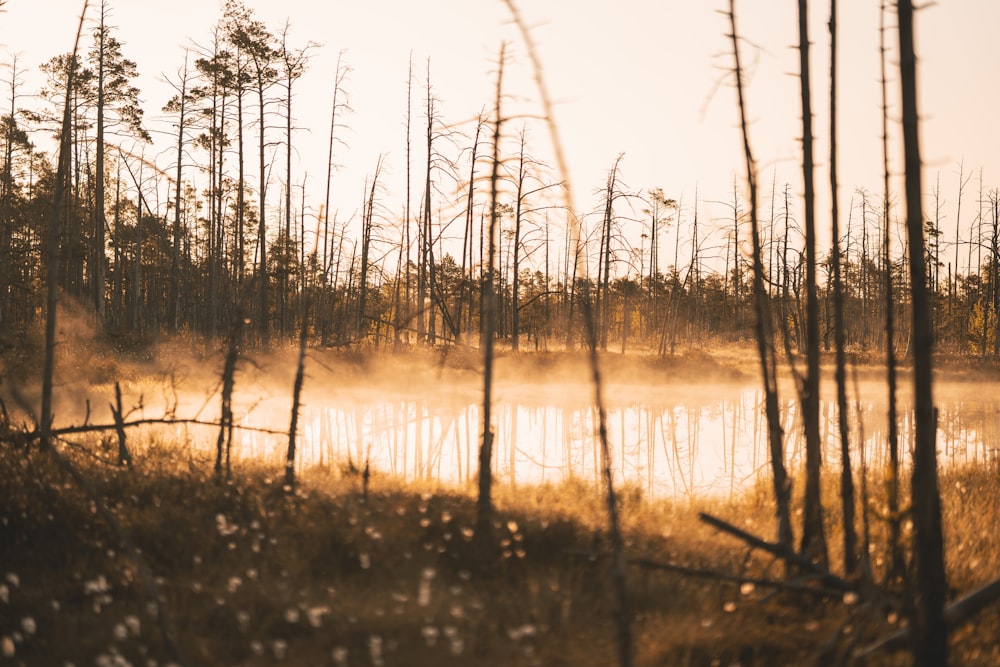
(813, 539)
(930, 647)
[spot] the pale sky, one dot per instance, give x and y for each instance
(647, 78)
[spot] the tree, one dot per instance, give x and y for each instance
(813, 539)
(253, 38)
(484, 503)
(782, 484)
(179, 104)
(930, 647)
(15, 141)
(293, 66)
(51, 254)
(896, 563)
(846, 478)
(115, 95)
(525, 174)
(217, 80)
(659, 208)
(607, 223)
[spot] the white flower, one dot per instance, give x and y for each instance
(315, 615)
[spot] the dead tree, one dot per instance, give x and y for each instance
(488, 316)
(765, 342)
(813, 538)
(930, 645)
(846, 477)
(897, 566)
(52, 247)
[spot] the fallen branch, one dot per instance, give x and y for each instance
(789, 556)
(97, 428)
(955, 614)
(791, 586)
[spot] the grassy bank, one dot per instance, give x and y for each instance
(252, 573)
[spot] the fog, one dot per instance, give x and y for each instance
(687, 427)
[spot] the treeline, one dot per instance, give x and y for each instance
(219, 232)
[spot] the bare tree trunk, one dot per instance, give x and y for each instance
(484, 504)
(173, 296)
(339, 75)
(604, 287)
(297, 390)
(368, 222)
(118, 412)
(223, 443)
(467, 237)
(765, 344)
(52, 248)
(99, 221)
(515, 319)
(897, 565)
(930, 647)
(846, 477)
(813, 538)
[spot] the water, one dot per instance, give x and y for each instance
(681, 441)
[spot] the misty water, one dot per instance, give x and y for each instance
(682, 441)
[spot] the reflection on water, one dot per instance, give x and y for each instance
(675, 442)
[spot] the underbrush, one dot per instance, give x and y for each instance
(248, 571)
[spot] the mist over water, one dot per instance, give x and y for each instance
(677, 434)
(683, 441)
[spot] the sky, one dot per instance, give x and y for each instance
(649, 79)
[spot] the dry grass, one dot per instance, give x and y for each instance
(253, 574)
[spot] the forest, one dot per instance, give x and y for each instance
(489, 268)
(190, 241)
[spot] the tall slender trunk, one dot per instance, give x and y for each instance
(846, 475)
(897, 565)
(175, 250)
(428, 236)
(813, 538)
(931, 587)
(368, 222)
(765, 346)
(515, 319)
(484, 504)
(99, 268)
(325, 212)
(263, 314)
(609, 199)
(467, 238)
(239, 261)
(52, 249)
